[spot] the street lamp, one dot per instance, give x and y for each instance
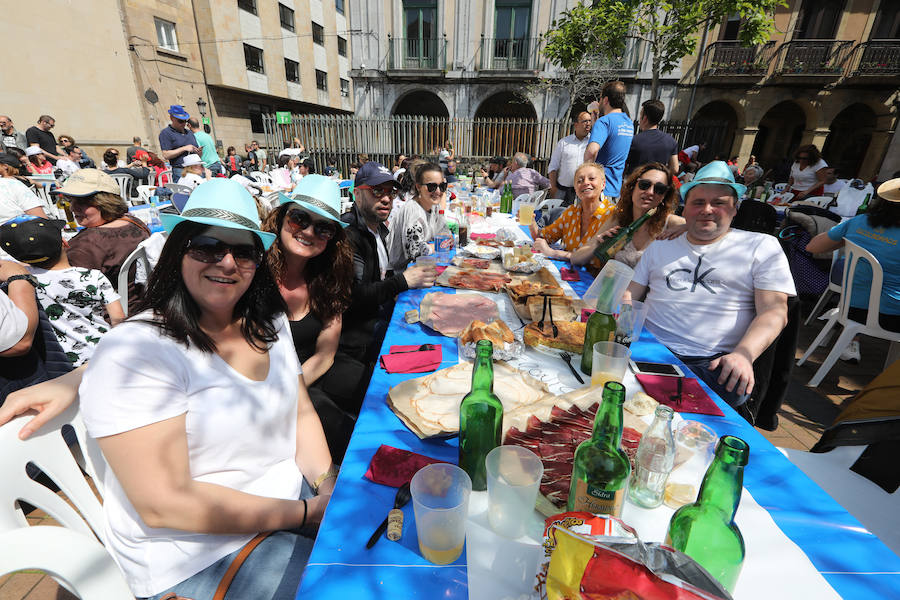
(201, 106)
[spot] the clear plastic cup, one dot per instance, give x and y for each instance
(513, 478)
(630, 322)
(440, 494)
(695, 444)
(609, 363)
(610, 283)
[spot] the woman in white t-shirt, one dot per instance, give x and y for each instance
(194, 172)
(807, 173)
(417, 221)
(214, 439)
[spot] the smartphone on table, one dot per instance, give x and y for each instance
(652, 368)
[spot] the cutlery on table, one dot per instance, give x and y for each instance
(400, 500)
(568, 358)
(552, 324)
(543, 314)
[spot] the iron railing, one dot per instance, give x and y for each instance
(417, 54)
(503, 54)
(731, 58)
(812, 57)
(875, 57)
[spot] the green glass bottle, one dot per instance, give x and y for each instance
(611, 246)
(601, 470)
(865, 205)
(480, 418)
(506, 199)
(601, 325)
(705, 530)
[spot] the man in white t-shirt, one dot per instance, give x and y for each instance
(716, 296)
(15, 197)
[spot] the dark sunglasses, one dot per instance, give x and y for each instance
(380, 192)
(660, 189)
(210, 250)
(300, 220)
(431, 187)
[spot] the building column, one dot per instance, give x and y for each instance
(815, 137)
(878, 146)
(743, 144)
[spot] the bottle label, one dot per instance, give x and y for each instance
(597, 500)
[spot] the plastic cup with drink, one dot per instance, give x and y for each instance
(440, 494)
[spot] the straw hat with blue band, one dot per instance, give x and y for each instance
(317, 194)
(221, 203)
(716, 172)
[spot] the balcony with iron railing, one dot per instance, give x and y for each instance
(875, 61)
(417, 54)
(729, 59)
(504, 54)
(819, 59)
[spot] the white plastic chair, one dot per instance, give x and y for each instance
(538, 196)
(261, 178)
(47, 449)
(81, 563)
(840, 314)
(832, 289)
(125, 182)
(145, 192)
(139, 255)
(178, 188)
(42, 190)
(549, 204)
(163, 177)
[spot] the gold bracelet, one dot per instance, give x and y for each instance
(331, 472)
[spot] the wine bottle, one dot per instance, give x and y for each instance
(705, 530)
(480, 418)
(601, 469)
(601, 325)
(612, 245)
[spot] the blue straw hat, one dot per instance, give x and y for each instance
(221, 203)
(716, 172)
(318, 194)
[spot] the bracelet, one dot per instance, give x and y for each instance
(331, 472)
(304, 514)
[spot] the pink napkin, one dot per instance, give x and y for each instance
(419, 358)
(569, 274)
(693, 398)
(394, 467)
(482, 236)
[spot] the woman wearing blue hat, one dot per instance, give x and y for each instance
(312, 262)
(199, 407)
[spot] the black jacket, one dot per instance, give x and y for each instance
(372, 299)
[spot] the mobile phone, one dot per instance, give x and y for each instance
(651, 368)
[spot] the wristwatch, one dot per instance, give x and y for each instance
(27, 277)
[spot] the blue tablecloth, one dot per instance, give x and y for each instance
(855, 563)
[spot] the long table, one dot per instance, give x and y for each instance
(852, 560)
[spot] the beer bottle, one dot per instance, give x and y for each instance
(601, 470)
(705, 530)
(601, 325)
(480, 418)
(611, 246)
(865, 205)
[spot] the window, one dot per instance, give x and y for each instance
(165, 35)
(512, 19)
(887, 22)
(318, 34)
(420, 18)
(292, 70)
(345, 88)
(256, 113)
(818, 19)
(248, 5)
(339, 6)
(253, 56)
(731, 27)
(342, 46)
(287, 17)
(322, 80)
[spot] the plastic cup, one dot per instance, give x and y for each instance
(513, 478)
(427, 260)
(612, 281)
(440, 494)
(695, 444)
(526, 214)
(609, 363)
(629, 328)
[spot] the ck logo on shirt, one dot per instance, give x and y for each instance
(677, 282)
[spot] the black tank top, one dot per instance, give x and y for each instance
(305, 332)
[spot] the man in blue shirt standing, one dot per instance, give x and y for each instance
(176, 141)
(611, 137)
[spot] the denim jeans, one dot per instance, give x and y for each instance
(700, 366)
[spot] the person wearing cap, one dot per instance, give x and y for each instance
(878, 231)
(110, 234)
(716, 296)
(39, 135)
(176, 141)
(37, 162)
(15, 197)
(375, 285)
(194, 172)
(312, 262)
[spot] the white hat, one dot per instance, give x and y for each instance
(32, 150)
(190, 160)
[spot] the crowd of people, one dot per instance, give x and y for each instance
(226, 398)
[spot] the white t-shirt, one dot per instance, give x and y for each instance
(804, 179)
(191, 180)
(241, 434)
(15, 198)
(701, 298)
(566, 157)
(13, 323)
(74, 300)
(836, 187)
(692, 151)
(67, 166)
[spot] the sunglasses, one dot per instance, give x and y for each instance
(380, 192)
(210, 251)
(299, 220)
(431, 187)
(658, 188)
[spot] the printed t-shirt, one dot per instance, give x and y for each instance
(614, 133)
(701, 297)
(882, 243)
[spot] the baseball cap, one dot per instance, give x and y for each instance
(373, 173)
(178, 111)
(31, 239)
(12, 160)
(86, 182)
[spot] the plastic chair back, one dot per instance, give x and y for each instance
(81, 563)
(145, 192)
(854, 254)
(261, 178)
(164, 177)
(124, 180)
(139, 254)
(48, 451)
(179, 189)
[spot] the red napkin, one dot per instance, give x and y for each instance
(440, 269)
(394, 467)
(482, 236)
(569, 274)
(420, 358)
(586, 314)
(693, 398)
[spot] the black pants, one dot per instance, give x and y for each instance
(889, 322)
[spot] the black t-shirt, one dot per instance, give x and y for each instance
(650, 146)
(44, 139)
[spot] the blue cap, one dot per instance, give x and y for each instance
(177, 111)
(374, 173)
(716, 172)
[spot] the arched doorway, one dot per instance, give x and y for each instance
(714, 124)
(848, 142)
(421, 103)
(423, 126)
(504, 125)
(780, 132)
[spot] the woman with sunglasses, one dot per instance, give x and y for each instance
(808, 173)
(648, 186)
(415, 222)
(199, 408)
(312, 263)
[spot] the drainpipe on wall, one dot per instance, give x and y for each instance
(697, 68)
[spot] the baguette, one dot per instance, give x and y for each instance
(570, 338)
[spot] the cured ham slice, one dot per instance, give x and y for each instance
(450, 314)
